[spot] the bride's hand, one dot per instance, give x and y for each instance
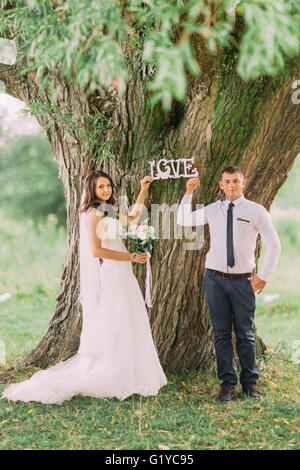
(139, 258)
(145, 183)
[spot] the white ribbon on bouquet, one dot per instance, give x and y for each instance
(148, 282)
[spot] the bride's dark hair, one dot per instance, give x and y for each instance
(90, 198)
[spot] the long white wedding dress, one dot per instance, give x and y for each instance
(116, 356)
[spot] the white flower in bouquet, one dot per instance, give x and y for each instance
(142, 232)
(141, 235)
(132, 229)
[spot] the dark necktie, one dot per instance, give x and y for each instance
(230, 257)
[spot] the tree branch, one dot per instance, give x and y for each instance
(6, 73)
(4, 69)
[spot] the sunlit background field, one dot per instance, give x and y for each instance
(278, 312)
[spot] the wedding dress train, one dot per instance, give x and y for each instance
(116, 356)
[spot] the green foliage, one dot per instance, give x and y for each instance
(272, 34)
(94, 138)
(90, 132)
(96, 41)
(29, 182)
(71, 34)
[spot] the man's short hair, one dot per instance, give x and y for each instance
(232, 169)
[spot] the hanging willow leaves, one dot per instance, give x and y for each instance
(85, 38)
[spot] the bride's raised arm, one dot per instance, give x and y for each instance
(136, 211)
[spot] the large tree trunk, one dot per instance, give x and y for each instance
(223, 121)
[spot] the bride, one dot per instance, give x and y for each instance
(117, 356)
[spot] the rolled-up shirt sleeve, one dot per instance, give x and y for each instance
(271, 240)
(188, 218)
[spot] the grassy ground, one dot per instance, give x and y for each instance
(185, 414)
(32, 257)
(182, 416)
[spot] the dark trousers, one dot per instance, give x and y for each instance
(232, 301)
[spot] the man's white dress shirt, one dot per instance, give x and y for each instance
(249, 220)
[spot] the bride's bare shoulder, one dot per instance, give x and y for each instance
(93, 214)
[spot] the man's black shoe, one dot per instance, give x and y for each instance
(252, 391)
(226, 395)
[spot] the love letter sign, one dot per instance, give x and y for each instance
(166, 169)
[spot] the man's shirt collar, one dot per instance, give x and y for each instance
(236, 202)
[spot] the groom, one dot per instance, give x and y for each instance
(230, 282)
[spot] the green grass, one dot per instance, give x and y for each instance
(185, 414)
(31, 277)
(278, 321)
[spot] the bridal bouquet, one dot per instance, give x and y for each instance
(142, 237)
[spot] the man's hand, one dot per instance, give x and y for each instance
(192, 184)
(257, 283)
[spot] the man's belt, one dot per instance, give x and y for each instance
(230, 275)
